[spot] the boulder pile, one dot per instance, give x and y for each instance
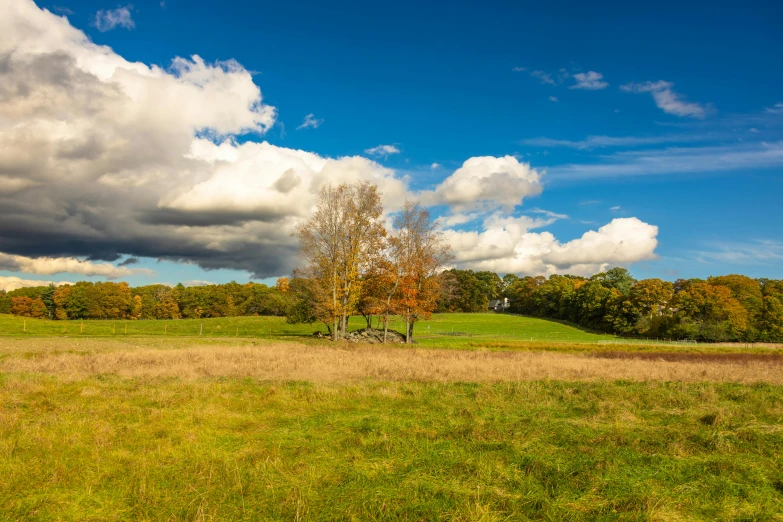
(370, 336)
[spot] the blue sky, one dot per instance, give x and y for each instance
(678, 125)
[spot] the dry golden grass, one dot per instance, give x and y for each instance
(287, 361)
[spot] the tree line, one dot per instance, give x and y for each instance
(86, 300)
(716, 309)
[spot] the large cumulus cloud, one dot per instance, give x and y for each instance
(101, 157)
(509, 245)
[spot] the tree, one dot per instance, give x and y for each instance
(5, 303)
(47, 296)
(28, 307)
(651, 296)
(420, 251)
(282, 284)
(748, 292)
(770, 324)
(520, 293)
(302, 308)
(136, 308)
(618, 278)
(334, 246)
(709, 312)
(449, 291)
(381, 287)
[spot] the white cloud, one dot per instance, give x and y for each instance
(666, 99)
(757, 252)
(382, 150)
(777, 109)
(506, 245)
(196, 282)
(548, 213)
(486, 182)
(553, 99)
(435, 166)
(544, 77)
(615, 209)
(62, 10)
(593, 142)
(9, 283)
(120, 17)
(590, 80)
(677, 160)
(266, 182)
(59, 265)
(310, 122)
(104, 158)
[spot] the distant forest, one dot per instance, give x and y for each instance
(723, 308)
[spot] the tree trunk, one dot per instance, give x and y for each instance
(408, 329)
(334, 304)
(385, 326)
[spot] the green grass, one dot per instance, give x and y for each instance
(451, 328)
(458, 331)
(111, 449)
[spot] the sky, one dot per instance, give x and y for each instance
(166, 142)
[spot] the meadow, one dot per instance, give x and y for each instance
(100, 425)
(441, 326)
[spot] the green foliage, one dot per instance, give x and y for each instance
(466, 291)
(726, 308)
(5, 303)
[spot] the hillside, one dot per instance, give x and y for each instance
(441, 329)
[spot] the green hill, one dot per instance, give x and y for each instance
(441, 329)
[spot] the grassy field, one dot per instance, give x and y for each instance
(106, 448)
(459, 329)
(103, 425)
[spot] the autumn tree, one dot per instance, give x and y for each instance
(651, 296)
(421, 252)
(709, 312)
(136, 308)
(334, 246)
(282, 285)
(28, 307)
(381, 285)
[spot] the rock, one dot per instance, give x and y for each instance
(368, 336)
(371, 336)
